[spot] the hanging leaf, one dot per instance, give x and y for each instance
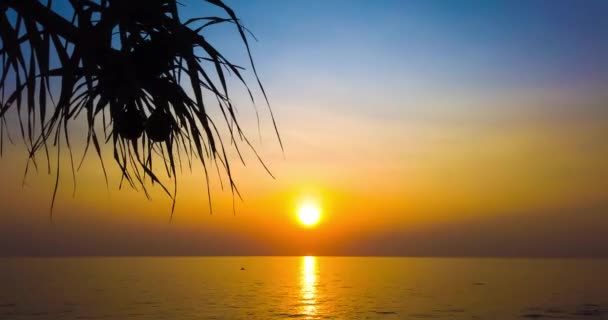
(120, 64)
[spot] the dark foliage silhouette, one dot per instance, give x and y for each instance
(122, 67)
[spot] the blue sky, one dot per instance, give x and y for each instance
(426, 48)
(489, 42)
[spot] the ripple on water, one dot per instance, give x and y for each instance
(423, 315)
(589, 310)
(291, 315)
(450, 310)
(584, 311)
(104, 316)
(147, 303)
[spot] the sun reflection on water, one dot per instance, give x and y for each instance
(308, 286)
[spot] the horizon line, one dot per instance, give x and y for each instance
(536, 257)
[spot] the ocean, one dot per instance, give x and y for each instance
(302, 288)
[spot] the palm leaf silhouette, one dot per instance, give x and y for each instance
(121, 65)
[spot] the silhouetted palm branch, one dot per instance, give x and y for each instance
(121, 65)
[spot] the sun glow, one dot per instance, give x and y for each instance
(309, 214)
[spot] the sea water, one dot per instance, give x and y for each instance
(302, 288)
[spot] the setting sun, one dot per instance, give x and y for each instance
(304, 159)
(309, 214)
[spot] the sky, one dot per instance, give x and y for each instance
(425, 128)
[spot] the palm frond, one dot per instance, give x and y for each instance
(120, 65)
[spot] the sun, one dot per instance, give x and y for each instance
(309, 214)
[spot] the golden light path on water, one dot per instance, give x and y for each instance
(308, 286)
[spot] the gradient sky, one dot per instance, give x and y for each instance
(420, 127)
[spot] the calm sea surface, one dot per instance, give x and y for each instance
(302, 288)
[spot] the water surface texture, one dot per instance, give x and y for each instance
(302, 288)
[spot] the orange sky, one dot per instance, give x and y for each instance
(403, 158)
